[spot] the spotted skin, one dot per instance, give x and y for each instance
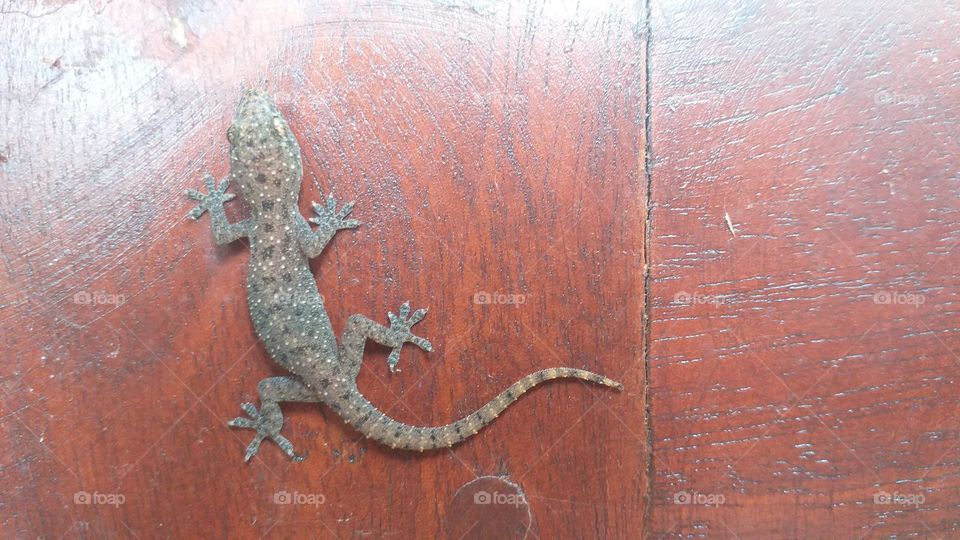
(288, 311)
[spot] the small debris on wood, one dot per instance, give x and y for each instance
(733, 230)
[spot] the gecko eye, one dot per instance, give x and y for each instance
(231, 134)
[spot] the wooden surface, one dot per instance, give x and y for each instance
(806, 363)
(794, 197)
(491, 149)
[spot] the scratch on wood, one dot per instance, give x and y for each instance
(733, 230)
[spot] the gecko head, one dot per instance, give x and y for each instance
(264, 154)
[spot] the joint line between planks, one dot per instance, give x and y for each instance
(647, 244)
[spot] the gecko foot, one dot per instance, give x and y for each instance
(216, 196)
(267, 422)
(400, 325)
(329, 219)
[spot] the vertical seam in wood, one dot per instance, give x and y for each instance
(647, 243)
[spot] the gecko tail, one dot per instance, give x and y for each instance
(376, 425)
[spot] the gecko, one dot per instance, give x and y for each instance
(286, 307)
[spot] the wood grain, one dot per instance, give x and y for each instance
(490, 147)
(803, 173)
(804, 363)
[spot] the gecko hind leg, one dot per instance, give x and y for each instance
(269, 419)
(359, 329)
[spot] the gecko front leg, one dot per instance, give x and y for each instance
(224, 232)
(269, 419)
(328, 220)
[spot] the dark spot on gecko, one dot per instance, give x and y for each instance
(541, 376)
(267, 205)
(268, 227)
(262, 178)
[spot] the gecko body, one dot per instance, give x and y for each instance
(288, 310)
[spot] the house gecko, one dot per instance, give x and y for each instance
(288, 310)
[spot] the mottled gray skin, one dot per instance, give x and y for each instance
(287, 309)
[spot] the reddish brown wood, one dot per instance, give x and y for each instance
(490, 149)
(802, 301)
(481, 499)
(781, 379)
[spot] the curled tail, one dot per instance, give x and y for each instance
(376, 425)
